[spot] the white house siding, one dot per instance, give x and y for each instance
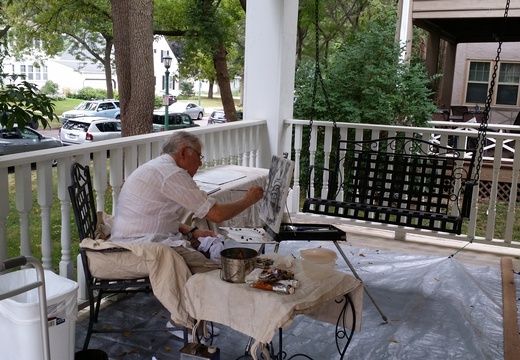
(69, 79)
(71, 76)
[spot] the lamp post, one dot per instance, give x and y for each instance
(167, 63)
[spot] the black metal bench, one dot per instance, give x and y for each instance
(402, 181)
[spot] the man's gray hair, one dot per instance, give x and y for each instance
(178, 140)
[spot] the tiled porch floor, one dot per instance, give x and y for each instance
(304, 336)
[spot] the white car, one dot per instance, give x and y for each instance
(105, 108)
(195, 111)
(88, 129)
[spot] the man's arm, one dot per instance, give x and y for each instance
(223, 212)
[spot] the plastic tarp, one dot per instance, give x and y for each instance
(437, 307)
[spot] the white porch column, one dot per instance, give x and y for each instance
(270, 57)
(404, 31)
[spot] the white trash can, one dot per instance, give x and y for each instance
(20, 326)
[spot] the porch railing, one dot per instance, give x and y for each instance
(111, 162)
(36, 186)
(499, 173)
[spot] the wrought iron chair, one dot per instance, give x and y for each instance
(441, 116)
(82, 199)
(457, 112)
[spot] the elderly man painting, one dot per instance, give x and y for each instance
(148, 214)
(154, 196)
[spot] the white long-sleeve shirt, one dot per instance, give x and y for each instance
(152, 200)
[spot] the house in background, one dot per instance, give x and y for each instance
(72, 75)
(462, 45)
(473, 70)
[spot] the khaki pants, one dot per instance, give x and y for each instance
(168, 268)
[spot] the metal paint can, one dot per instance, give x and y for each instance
(237, 263)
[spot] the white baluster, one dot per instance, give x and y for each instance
(45, 196)
(66, 264)
(492, 209)
(23, 186)
(4, 211)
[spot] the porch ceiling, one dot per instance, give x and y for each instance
(473, 30)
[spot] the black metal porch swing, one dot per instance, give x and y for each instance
(401, 181)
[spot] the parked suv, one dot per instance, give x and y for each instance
(88, 129)
(175, 121)
(105, 108)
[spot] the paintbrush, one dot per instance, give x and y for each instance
(241, 189)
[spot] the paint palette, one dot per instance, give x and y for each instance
(248, 235)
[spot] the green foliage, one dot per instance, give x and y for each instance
(50, 88)
(22, 104)
(205, 24)
(89, 93)
(157, 102)
(186, 88)
(366, 82)
(52, 26)
(363, 81)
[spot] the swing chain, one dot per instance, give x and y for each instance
(481, 137)
(318, 75)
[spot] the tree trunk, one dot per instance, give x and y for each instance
(133, 37)
(210, 88)
(220, 63)
(108, 68)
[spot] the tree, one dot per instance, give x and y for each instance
(366, 82)
(336, 19)
(21, 104)
(212, 37)
(87, 24)
(133, 40)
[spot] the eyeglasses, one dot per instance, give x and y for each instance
(201, 157)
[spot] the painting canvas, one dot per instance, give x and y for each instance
(275, 195)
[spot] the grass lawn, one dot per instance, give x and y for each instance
(64, 105)
(35, 234)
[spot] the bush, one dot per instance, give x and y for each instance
(58, 97)
(157, 102)
(50, 88)
(89, 93)
(186, 89)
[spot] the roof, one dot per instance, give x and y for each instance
(469, 21)
(473, 30)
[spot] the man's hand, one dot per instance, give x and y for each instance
(203, 233)
(254, 194)
(195, 243)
